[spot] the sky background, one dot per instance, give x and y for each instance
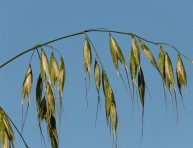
(25, 24)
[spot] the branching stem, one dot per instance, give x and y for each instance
(94, 30)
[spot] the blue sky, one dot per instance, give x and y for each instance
(25, 24)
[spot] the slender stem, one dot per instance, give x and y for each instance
(94, 30)
(7, 62)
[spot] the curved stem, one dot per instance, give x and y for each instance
(7, 62)
(93, 30)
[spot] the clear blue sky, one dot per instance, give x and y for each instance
(25, 24)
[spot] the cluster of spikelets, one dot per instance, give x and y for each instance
(110, 105)
(51, 72)
(163, 66)
(6, 132)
